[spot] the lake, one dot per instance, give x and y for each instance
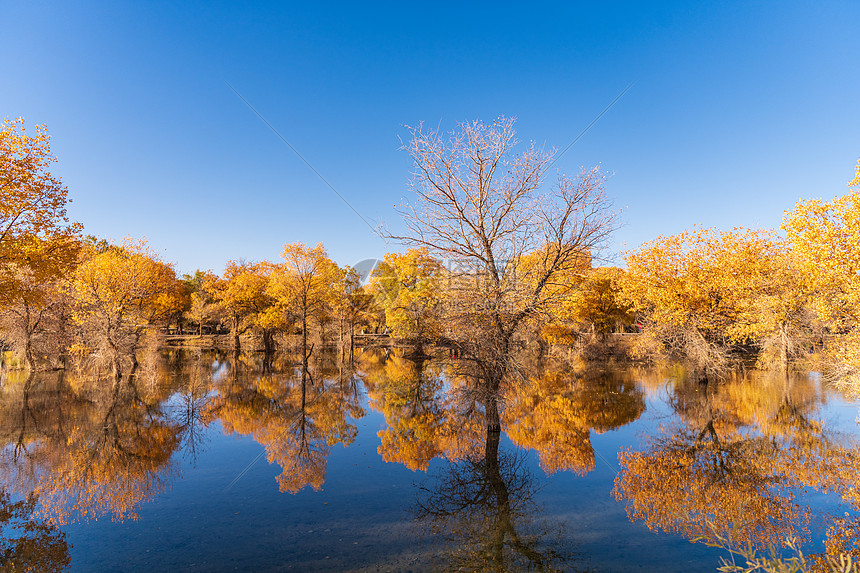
(208, 462)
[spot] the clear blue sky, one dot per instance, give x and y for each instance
(738, 109)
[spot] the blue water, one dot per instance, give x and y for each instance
(223, 511)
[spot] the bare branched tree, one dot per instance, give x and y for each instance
(515, 243)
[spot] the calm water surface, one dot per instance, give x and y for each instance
(203, 462)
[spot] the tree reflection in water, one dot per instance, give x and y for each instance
(737, 468)
(296, 415)
(555, 411)
(85, 448)
(483, 503)
(732, 465)
(28, 543)
(90, 447)
(484, 507)
(425, 417)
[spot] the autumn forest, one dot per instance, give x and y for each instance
(494, 257)
(497, 319)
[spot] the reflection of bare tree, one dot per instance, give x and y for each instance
(483, 503)
(198, 373)
(189, 416)
(484, 507)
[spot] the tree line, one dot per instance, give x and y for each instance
(708, 296)
(496, 261)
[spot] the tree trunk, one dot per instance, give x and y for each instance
(117, 367)
(304, 340)
(116, 359)
(237, 346)
(268, 341)
(494, 425)
(340, 347)
(28, 355)
(542, 348)
(783, 347)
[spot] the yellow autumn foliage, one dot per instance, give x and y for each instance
(121, 291)
(408, 287)
(35, 234)
(718, 288)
